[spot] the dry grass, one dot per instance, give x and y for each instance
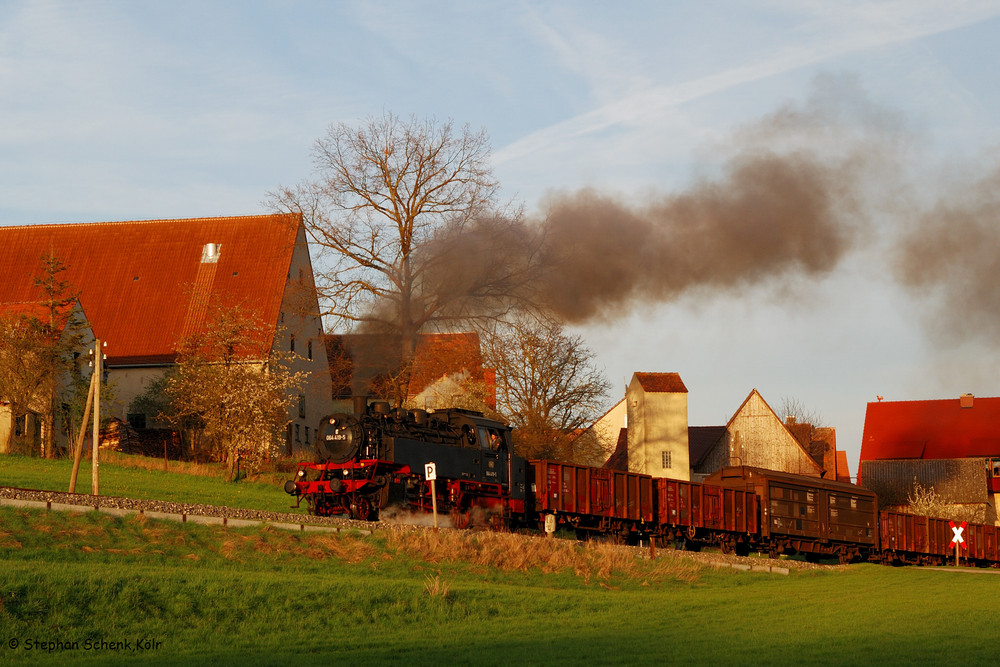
(151, 463)
(435, 586)
(511, 552)
(209, 469)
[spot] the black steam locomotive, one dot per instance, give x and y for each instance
(377, 459)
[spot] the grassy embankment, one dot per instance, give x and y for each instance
(211, 595)
(141, 477)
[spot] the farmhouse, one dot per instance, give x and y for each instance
(949, 445)
(145, 285)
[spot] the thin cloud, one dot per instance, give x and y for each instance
(865, 27)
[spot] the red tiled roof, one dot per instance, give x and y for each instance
(143, 285)
(661, 382)
(442, 354)
(39, 311)
(35, 309)
(363, 357)
(938, 429)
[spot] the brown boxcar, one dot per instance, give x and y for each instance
(808, 514)
(589, 497)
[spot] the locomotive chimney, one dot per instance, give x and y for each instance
(360, 405)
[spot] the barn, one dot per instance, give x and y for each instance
(145, 285)
(950, 446)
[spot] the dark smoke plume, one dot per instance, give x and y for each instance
(951, 256)
(770, 215)
(790, 202)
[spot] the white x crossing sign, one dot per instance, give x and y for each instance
(957, 532)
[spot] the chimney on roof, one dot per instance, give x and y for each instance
(966, 400)
(210, 253)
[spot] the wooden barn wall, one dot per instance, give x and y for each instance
(756, 437)
(759, 439)
(957, 481)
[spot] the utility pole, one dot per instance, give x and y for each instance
(78, 452)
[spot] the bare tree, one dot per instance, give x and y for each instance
(547, 387)
(227, 395)
(796, 410)
(401, 214)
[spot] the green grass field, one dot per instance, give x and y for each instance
(204, 595)
(130, 478)
(91, 588)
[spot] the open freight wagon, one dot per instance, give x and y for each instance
(593, 499)
(922, 540)
(692, 513)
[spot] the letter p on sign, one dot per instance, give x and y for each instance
(430, 472)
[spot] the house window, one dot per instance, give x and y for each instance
(292, 344)
(297, 434)
(309, 350)
(665, 460)
(302, 406)
(307, 435)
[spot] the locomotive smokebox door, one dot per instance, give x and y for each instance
(341, 438)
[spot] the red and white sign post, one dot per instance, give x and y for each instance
(957, 539)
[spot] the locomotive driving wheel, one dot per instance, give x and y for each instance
(361, 509)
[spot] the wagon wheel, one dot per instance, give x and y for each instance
(773, 552)
(726, 546)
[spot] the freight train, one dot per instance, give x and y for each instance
(375, 460)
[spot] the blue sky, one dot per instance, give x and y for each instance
(114, 110)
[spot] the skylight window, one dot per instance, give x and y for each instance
(210, 253)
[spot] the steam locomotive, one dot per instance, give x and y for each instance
(374, 461)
